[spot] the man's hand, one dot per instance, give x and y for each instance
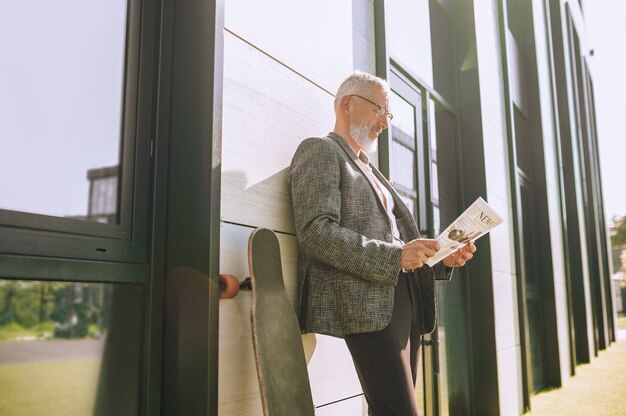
(461, 256)
(417, 252)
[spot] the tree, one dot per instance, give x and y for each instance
(618, 231)
(8, 289)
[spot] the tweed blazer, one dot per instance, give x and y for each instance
(347, 264)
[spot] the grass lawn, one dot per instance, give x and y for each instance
(12, 332)
(53, 388)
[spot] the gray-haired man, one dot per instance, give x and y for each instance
(361, 269)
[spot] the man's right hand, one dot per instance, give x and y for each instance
(417, 252)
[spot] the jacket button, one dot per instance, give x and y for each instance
(388, 237)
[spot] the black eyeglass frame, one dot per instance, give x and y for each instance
(382, 111)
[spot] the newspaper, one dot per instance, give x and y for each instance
(477, 220)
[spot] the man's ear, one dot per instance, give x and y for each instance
(344, 104)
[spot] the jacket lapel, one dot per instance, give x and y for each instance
(353, 157)
(404, 217)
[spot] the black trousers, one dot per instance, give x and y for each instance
(386, 361)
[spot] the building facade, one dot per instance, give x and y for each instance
(491, 98)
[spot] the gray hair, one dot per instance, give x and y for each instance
(358, 83)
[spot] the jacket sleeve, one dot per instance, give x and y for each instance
(314, 184)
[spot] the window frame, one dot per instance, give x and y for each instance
(28, 236)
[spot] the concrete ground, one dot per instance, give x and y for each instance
(597, 389)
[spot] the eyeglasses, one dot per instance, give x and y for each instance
(380, 111)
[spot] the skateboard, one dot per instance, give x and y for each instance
(279, 355)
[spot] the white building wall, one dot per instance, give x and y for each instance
(280, 72)
(283, 61)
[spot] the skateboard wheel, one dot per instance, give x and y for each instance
(229, 286)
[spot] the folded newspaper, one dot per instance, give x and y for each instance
(477, 220)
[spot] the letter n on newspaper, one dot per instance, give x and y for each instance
(477, 220)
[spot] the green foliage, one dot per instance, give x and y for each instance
(44, 309)
(618, 231)
(12, 331)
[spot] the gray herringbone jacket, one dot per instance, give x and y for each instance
(347, 265)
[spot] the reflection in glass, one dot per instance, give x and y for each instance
(403, 114)
(433, 128)
(436, 221)
(434, 167)
(72, 347)
(403, 168)
(443, 370)
(408, 33)
(434, 172)
(410, 204)
(61, 79)
(103, 195)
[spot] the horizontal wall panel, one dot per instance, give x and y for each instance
(331, 371)
(234, 255)
(312, 37)
(268, 111)
(238, 388)
(355, 406)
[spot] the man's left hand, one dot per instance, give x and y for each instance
(461, 256)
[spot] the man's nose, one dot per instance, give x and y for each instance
(383, 122)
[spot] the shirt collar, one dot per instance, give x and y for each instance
(363, 156)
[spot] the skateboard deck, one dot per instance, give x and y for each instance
(279, 355)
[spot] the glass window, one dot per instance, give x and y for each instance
(443, 61)
(432, 111)
(403, 114)
(523, 143)
(408, 32)
(61, 79)
(71, 347)
(434, 168)
(436, 221)
(103, 194)
(434, 172)
(403, 168)
(410, 203)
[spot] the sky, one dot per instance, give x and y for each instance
(606, 31)
(60, 100)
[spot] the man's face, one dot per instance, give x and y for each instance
(365, 122)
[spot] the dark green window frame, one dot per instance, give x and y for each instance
(35, 246)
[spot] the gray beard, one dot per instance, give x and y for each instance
(360, 134)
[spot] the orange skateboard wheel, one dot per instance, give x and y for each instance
(229, 286)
